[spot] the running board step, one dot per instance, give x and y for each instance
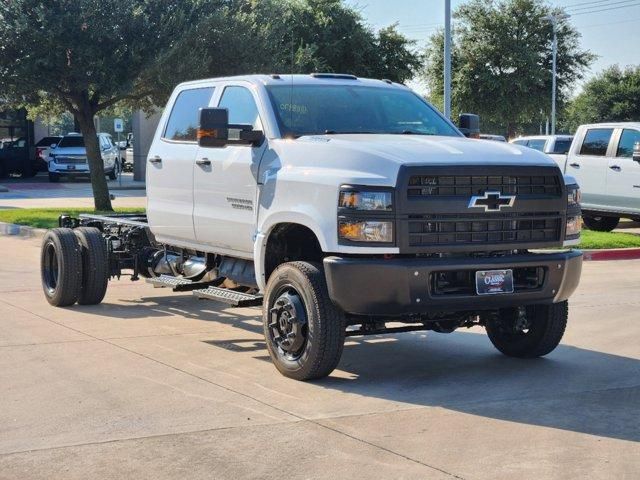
(175, 283)
(230, 297)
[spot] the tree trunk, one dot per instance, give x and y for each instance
(101, 198)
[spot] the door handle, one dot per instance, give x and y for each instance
(574, 165)
(205, 162)
(155, 159)
(615, 167)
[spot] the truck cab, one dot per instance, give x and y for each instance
(343, 206)
(601, 159)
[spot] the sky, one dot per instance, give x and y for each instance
(609, 28)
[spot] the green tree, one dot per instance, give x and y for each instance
(291, 36)
(502, 62)
(85, 56)
(611, 96)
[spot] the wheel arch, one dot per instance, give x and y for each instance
(286, 240)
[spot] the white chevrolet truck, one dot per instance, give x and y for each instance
(343, 206)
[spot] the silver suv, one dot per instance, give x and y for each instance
(69, 157)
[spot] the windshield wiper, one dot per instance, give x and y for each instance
(334, 132)
(413, 132)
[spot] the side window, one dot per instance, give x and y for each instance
(242, 107)
(183, 121)
(596, 142)
(562, 146)
(627, 140)
(537, 144)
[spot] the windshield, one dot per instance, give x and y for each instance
(335, 109)
(72, 141)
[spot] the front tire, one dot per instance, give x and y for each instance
(304, 330)
(54, 177)
(600, 224)
(95, 265)
(61, 267)
(528, 332)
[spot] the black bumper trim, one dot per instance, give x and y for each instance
(400, 286)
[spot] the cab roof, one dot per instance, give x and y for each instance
(302, 79)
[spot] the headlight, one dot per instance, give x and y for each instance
(52, 158)
(381, 201)
(574, 197)
(573, 226)
(366, 230)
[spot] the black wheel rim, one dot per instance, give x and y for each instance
(288, 326)
(51, 268)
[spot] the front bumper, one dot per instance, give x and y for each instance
(405, 286)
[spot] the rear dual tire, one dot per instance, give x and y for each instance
(74, 266)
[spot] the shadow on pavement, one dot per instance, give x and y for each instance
(572, 389)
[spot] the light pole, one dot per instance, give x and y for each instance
(554, 19)
(447, 58)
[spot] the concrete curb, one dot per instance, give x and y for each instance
(11, 229)
(129, 187)
(612, 254)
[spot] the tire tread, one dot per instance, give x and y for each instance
(95, 263)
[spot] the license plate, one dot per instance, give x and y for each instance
(493, 282)
(71, 167)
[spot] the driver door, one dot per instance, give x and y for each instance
(225, 181)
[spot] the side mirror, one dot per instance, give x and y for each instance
(54, 145)
(469, 125)
(636, 152)
(216, 131)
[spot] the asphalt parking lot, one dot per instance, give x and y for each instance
(158, 385)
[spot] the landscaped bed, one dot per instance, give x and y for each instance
(48, 218)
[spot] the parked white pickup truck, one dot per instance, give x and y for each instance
(602, 161)
(556, 146)
(341, 205)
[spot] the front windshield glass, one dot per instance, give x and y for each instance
(335, 109)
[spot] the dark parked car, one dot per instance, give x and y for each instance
(16, 157)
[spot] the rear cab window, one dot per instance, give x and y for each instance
(182, 125)
(596, 142)
(627, 141)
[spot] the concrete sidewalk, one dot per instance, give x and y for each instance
(151, 384)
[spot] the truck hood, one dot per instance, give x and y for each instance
(373, 159)
(423, 149)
